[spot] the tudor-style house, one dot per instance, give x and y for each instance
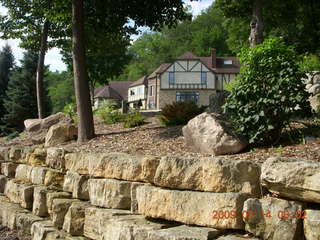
(190, 78)
(137, 93)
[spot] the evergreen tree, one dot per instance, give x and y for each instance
(21, 100)
(6, 66)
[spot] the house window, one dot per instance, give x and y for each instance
(151, 91)
(131, 92)
(187, 97)
(203, 78)
(172, 79)
(227, 62)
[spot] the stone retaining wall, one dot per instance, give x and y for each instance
(54, 194)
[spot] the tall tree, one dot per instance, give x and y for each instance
(6, 67)
(21, 102)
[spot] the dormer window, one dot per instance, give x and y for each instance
(227, 62)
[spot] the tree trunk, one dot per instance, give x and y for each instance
(256, 24)
(81, 83)
(40, 69)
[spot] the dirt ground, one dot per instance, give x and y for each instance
(154, 139)
(7, 234)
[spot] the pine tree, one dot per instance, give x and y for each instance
(6, 66)
(21, 100)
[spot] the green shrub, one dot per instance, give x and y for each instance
(12, 136)
(270, 92)
(71, 110)
(114, 117)
(231, 85)
(310, 63)
(179, 113)
(133, 120)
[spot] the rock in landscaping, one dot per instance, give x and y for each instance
(55, 158)
(15, 154)
(38, 175)
(315, 89)
(24, 222)
(311, 224)
(110, 193)
(40, 207)
(38, 157)
(293, 178)
(55, 195)
(189, 207)
(76, 184)
(315, 102)
(23, 172)
(74, 219)
(20, 193)
(273, 219)
(9, 169)
(130, 227)
(32, 125)
(210, 133)
(208, 174)
(133, 196)
(120, 166)
(54, 178)
(3, 182)
(60, 208)
(95, 219)
(4, 154)
(39, 230)
(184, 233)
(61, 133)
(234, 237)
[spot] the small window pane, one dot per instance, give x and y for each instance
(187, 97)
(203, 78)
(171, 78)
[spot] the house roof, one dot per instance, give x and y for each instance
(187, 56)
(141, 81)
(163, 67)
(113, 90)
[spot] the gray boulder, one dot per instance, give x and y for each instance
(211, 133)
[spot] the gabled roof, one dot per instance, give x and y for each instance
(141, 81)
(113, 90)
(163, 67)
(187, 56)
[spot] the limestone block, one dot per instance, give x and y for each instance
(133, 196)
(23, 172)
(311, 224)
(60, 208)
(3, 182)
(292, 177)
(120, 166)
(69, 237)
(95, 219)
(56, 235)
(209, 174)
(24, 222)
(39, 230)
(54, 178)
(236, 237)
(38, 157)
(55, 158)
(9, 169)
(55, 195)
(184, 233)
(60, 133)
(273, 219)
(38, 175)
(40, 207)
(189, 207)
(74, 219)
(4, 154)
(8, 213)
(76, 184)
(130, 227)
(15, 154)
(21, 193)
(110, 193)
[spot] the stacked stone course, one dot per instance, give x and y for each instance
(53, 194)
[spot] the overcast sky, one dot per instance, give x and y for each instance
(53, 58)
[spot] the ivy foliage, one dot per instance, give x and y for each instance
(270, 92)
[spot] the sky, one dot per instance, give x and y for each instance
(53, 57)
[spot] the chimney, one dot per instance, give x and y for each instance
(214, 57)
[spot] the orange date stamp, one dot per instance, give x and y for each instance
(247, 214)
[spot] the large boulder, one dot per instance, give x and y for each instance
(60, 133)
(292, 178)
(211, 133)
(311, 224)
